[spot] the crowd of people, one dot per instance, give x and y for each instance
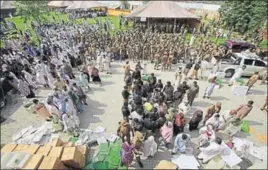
(151, 109)
(87, 14)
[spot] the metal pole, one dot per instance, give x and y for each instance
(148, 23)
(174, 26)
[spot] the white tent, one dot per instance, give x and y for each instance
(7, 5)
(85, 5)
(59, 3)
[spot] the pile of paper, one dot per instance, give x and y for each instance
(185, 161)
(33, 135)
(97, 135)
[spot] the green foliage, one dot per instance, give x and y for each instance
(244, 16)
(32, 10)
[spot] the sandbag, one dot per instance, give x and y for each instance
(244, 126)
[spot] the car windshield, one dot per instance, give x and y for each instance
(235, 60)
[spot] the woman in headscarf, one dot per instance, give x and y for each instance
(166, 133)
(41, 110)
(195, 120)
(179, 123)
(207, 135)
(192, 93)
(95, 75)
(149, 146)
(50, 80)
(126, 153)
(40, 74)
(24, 89)
(29, 78)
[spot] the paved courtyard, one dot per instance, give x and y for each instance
(105, 102)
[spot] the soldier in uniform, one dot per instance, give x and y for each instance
(169, 60)
(164, 61)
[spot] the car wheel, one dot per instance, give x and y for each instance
(2, 103)
(229, 73)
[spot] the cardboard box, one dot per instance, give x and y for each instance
(8, 148)
(34, 162)
(83, 149)
(50, 163)
(68, 144)
(21, 148)
(32, 149)
(73, 157)
(56, 142)
(165, 165)
(56, 152)
(44, 150)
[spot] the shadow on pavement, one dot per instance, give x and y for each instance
(254, 123)
(256, 92)
(13, 103)
(201, 104)
(90, 113)
(218, 98)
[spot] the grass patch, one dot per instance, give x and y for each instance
(19, 22)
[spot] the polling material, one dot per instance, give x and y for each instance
(231, 158)
(239, 90)
(185, 161)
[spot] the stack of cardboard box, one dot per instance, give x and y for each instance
(53, 155)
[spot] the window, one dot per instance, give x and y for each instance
(259, 63)
(237, 61)
(248, 62)
(236, 47)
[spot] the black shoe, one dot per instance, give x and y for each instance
(196, 79)
(207, 97)
(204, 96)
(140, 164)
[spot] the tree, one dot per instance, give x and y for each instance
(34, 9)
(244, 16)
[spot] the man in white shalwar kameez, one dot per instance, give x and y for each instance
(238, 73)
(212, 150)
(100, 62)
(192, 40)
(107, 61)
(180, 143)
(149, 147)
(40, 74)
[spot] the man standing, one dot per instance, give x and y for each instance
(192, 93)
(253, 79)
(195, 71)
(188, 68)
(243, 110)
(238, 74)
(126, 69)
